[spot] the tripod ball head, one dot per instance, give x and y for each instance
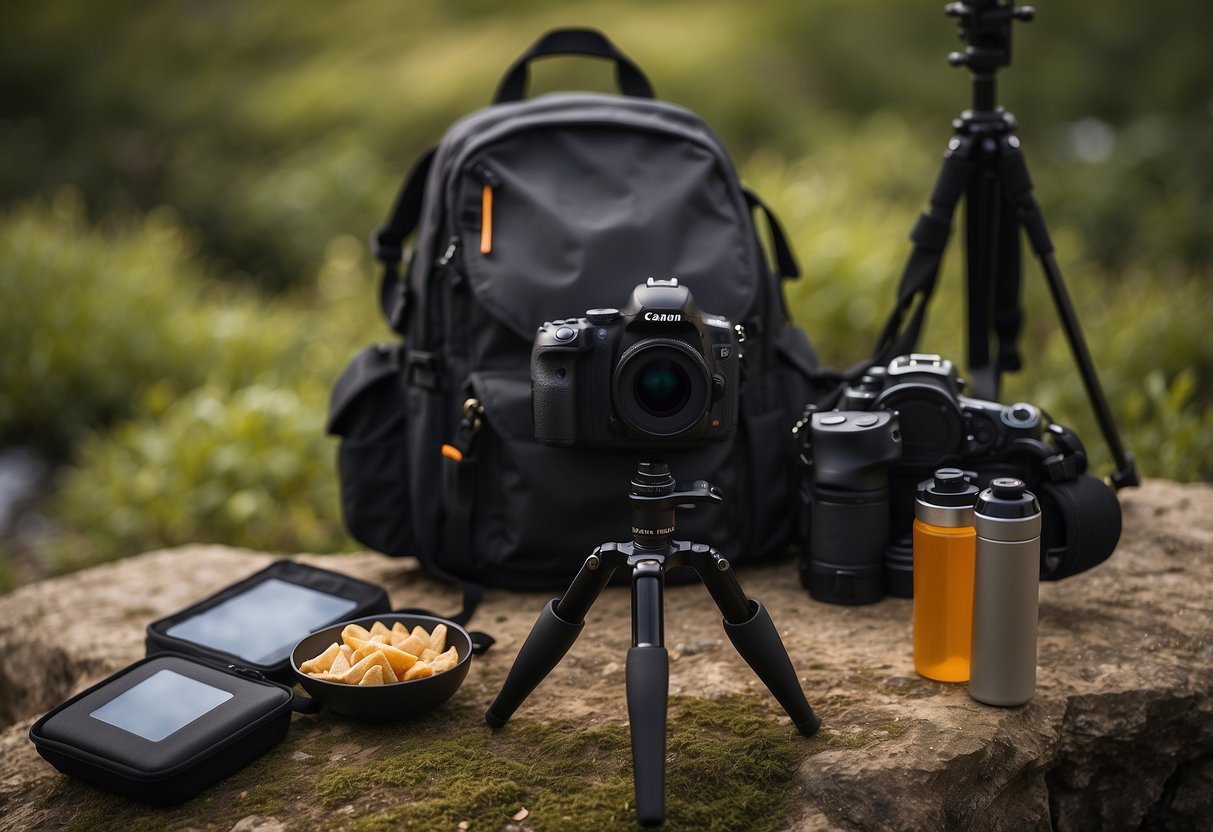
(985, 26)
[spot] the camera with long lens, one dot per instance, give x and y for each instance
(847, 494)
(942, 427)
(657, 370)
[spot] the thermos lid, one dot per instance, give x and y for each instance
(1008, 511)
(946, 499)
(1007, 498)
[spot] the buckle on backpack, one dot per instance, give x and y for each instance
(422, 370)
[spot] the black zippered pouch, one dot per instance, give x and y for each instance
(256, 622)
(163, 729)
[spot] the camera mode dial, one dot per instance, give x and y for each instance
(604, 315)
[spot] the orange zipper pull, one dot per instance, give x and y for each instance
(486, 222)
(490, 181)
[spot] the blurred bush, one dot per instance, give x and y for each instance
(96, 324)
(246, 467)
(190, 411)
(272, 128)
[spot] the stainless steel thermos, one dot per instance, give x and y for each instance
(1005, 594)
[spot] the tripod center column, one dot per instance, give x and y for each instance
(652, 512)
(648, 617)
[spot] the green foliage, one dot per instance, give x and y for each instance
(192, 412)
(247, 467)
(94, 323)
(273, 128)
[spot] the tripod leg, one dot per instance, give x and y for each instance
(1016, 180)
(648, 681)
(756, 639)
(930, 237)
(553, 634)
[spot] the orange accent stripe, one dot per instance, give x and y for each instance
(486, 223)
(451, 452)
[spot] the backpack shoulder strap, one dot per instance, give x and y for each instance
(387, 243)
(785, 260)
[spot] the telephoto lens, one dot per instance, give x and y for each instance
(842, 558)
(1006, 594)
(944, 553)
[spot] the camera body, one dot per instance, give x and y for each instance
(657, 370)
(939, 423)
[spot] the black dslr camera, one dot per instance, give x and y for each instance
(658, 370)
(858, 469)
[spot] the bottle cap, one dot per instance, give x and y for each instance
(948, 488)
(1007, 498)
(946, 499)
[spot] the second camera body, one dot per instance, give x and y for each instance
(656, 371)
(939, 422)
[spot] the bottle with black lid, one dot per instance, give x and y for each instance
(1005, 594)
(944, 552)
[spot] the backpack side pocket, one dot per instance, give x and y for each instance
(368, 411)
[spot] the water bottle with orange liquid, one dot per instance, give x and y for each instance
(945, 550)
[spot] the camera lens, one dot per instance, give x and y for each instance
(662, 388)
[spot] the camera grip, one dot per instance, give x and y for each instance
(554, 396)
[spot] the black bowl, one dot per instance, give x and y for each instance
(384, 703)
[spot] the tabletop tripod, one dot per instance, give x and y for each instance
(985, 165)
(654, 497)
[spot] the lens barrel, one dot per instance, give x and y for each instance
(661, 387)
(848, 531)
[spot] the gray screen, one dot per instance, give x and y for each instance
(160, 705)
(264, 623)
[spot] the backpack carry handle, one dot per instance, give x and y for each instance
(587, 42)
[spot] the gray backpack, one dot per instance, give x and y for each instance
(536, 210)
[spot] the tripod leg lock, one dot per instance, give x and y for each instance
(759, 644)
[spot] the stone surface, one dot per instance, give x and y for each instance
(1119, 736)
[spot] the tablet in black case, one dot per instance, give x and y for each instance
(165, 728)
(255, 623)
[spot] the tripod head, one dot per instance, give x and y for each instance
(655, 497)
(985, 27)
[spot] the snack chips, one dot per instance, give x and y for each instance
(382, 656)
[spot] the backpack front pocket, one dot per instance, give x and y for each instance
(368, 410)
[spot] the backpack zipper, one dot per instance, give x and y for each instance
(489, 182)
(468, 430)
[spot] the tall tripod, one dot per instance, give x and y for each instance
(654, 497)
(984, 164)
